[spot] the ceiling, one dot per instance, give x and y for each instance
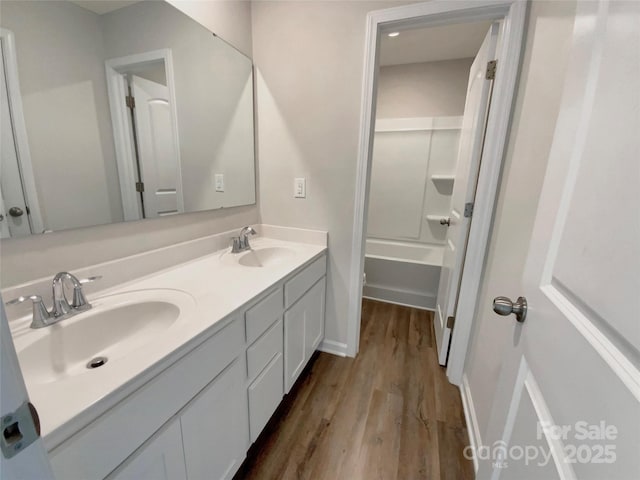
(103, 6)
(432, 44)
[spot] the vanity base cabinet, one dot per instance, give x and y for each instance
(211, 404)
(161, 458)
(303, 331)
(215, 426)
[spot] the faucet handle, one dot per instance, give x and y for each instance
(79, 300)
(235, 245)
(40, 312)
(22, 299)
(90, 279)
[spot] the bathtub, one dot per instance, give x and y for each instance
(402, 273)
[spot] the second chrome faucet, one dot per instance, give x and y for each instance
(241, 242)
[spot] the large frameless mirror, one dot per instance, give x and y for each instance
(116, 111)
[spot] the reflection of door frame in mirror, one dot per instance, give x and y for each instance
(122, 126)
(20, 130)
(513, 14)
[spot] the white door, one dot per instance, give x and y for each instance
(15, 219)
(464, 188)
(31, 461)
(568, 401)
(157, 148)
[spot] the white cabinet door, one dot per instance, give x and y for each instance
(294, 358)
(303, 331)
(215, 427)
(162, 458)
(265, 394)
(314, 320)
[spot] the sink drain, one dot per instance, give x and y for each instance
(97, 362)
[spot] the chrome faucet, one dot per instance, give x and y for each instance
(62, 309)
(241, 243)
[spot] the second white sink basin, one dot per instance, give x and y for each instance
(265, 257)
(115, 326)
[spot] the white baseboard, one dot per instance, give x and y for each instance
(471, 419)
(334, 348)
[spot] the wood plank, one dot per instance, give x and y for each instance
(390, 413)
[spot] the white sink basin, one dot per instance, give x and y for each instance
(265, 257)
(115, 326)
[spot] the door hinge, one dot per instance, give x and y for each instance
(468, 209)
(130, 101)
(491, 69)
(139, 187)
(450, 322)
(19, 429)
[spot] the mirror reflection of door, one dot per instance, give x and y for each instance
(157, 149)
(15, 220)
(147, 103)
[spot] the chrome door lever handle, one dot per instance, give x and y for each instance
(504, 306)
(445, 221)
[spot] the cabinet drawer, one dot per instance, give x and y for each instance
(265, 394)
(259, 317)
(299, 284)
(264, 349)
(98, 449)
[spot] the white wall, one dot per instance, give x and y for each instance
(536, 110)
(429, 89)
(229, 19)
(59, 50)
(43, 255)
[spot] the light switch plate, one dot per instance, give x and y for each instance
(299, 187)
(219, 178)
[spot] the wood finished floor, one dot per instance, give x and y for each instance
(388, 414)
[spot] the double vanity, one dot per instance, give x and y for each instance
(174, 374)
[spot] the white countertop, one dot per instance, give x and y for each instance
(219, 287)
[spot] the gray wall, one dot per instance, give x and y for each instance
(43, 255)
(429, 89)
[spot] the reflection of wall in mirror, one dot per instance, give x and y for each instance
(216, 130)
(59, 50)
(404, 161)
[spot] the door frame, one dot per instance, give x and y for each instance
(513, 14)
(122, 125)
(20, 130)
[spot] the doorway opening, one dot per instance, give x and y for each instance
(438, 90)
(145, 124)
